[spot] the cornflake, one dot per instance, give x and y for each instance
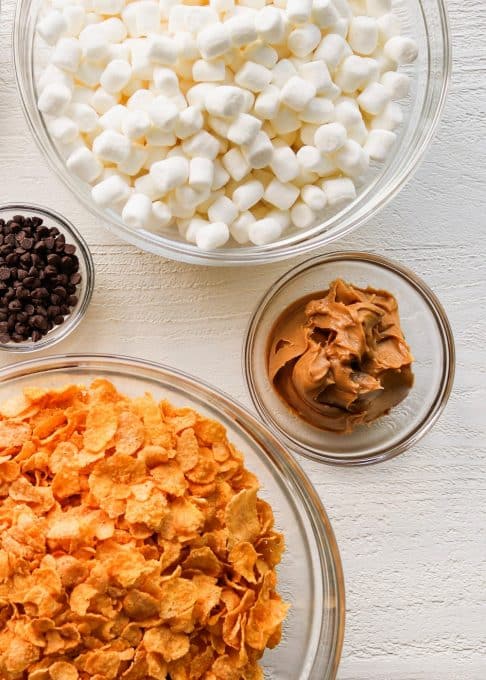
(133, 543)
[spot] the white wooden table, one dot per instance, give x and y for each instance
(412, 531)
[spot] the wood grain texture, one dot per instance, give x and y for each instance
(411, 532)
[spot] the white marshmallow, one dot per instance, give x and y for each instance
(373, 98)
(303, 40)
(137, 211)
(214, 41)
(330, 137)
(332, 49)
(376, 8)
(240, 229)
(347, 112)
(396, 84)
(298, 11)
(251, 4)
(388, 27)
(309, 157)
(189, 122)
(113, 118)
(201, 173)
(136, 124)
(180, 206)
(95, 46)
(170, 173)
(324, 13)
(201, 144)
(110, 192)
(54, 99)
(379, 144)
(353, 73)
(89, 74)
(317, 73)
(108, 7)
(191, 18)
(297, 93)
(142, 66)
(161, 212)
(67, 54)
(343, 8)
(242, 30)
(244, 129)
(52, 26)
(262, 232)
(259, 152)
(223, 210)
(225, 101)
(314, 197)
(285, 121)
(146, 185)
(363, 34)
(111, 146)
(339, 190)
(52, 75)
(221, 176)
(281, 195)
(147, 15)
(164, 113)
(284, 164)
(208, 71)
(236, 164)
(221, 6)
(261, 54)
(307, 133)
(84, 116)
(400, 49)
(141, 100)
(191, 227)
(135, 161)
(158, 137)
(162, 50)
(84, 164)
(282, 72)
(267, 103)
(352, 159)
(302, 215)
(281, 216)
(102, 101)
(248, 194)
(319, 110)
(389, 119)
(219, 125)
(212, 236)
(116, 76)
(113, 29)
(270, 25)
(166, 81)
(253, 76)
(186, 45)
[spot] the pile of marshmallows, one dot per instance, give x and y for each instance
(223, 120)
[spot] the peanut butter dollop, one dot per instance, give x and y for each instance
(339, 358)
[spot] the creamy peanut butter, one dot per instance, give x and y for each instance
(339, 358)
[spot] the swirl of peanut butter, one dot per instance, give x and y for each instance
(340, 359)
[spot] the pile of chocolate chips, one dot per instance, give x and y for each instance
(39, 275)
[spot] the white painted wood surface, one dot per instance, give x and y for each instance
(412, 531)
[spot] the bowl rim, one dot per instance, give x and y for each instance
(283, 461)
(383, 453)
(72, 321)
(248, 255)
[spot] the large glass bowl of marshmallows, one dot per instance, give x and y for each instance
(232, 131)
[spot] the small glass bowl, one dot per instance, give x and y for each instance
(426, 330)
(310, 575)
(86, 269)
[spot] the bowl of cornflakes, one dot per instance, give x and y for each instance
(151, 528)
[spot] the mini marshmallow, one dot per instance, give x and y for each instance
(52, 26)
(363, 34)
(353, 73)
(116, 76)
(259, 152)
(330, 137)
(89, 74)
(253, 76)
(317, 73)
(189, 122)
(307, 133)
(110, 192)
(136, 124)
(388, 27)
(111, 146)
(141, 100)
(212, 236)
(166, 81)
(282, 72)
(181, 208)
(281, 216)
(324, 13)
(52, 75)
(146, 185)
(396, 84)
(113, 118)
(252, 4)
(298, 11)
(84, 116)
(297, 93)
(352, 159)
(161, 212)
(108, 7)
(347, 112)
(303, 40)
(389, 119)
(319, 110)
(201, 173)
(284, 164)
(221, 6)
(102, 101)
(157, 137)
(267, 103)
(201, 144)
(223, 210)
(208, 71)
(309, 157)
(135, 161)
(221, 176)
(225, 101)
(137, 211)
(242, 30)
(248, 194)
(285, 121)
(191, 18)
(213, 41)
(170, 173)
(54, 99)
(262, 232)
(186, 45)
(339, 190)
(376, 8)
(373, 98)
(236, 164)
(332, 49)
(67, 54)
(302, 215)
(244, 129)
(241, 227)
(189, 228)
(399, 49)
(270, 25)
(162, 50)
(281, 195)
(341, 27)
(314, 197)
(379, 144)
(164, 113)
(219, 125)
(85, 165)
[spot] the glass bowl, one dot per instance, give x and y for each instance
(426, 330)
(310, 575)
(425, 20)
(84, 289)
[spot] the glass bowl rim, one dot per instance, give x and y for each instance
(87, 285)
(282, 460)
(448, 368)
(251, 255)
